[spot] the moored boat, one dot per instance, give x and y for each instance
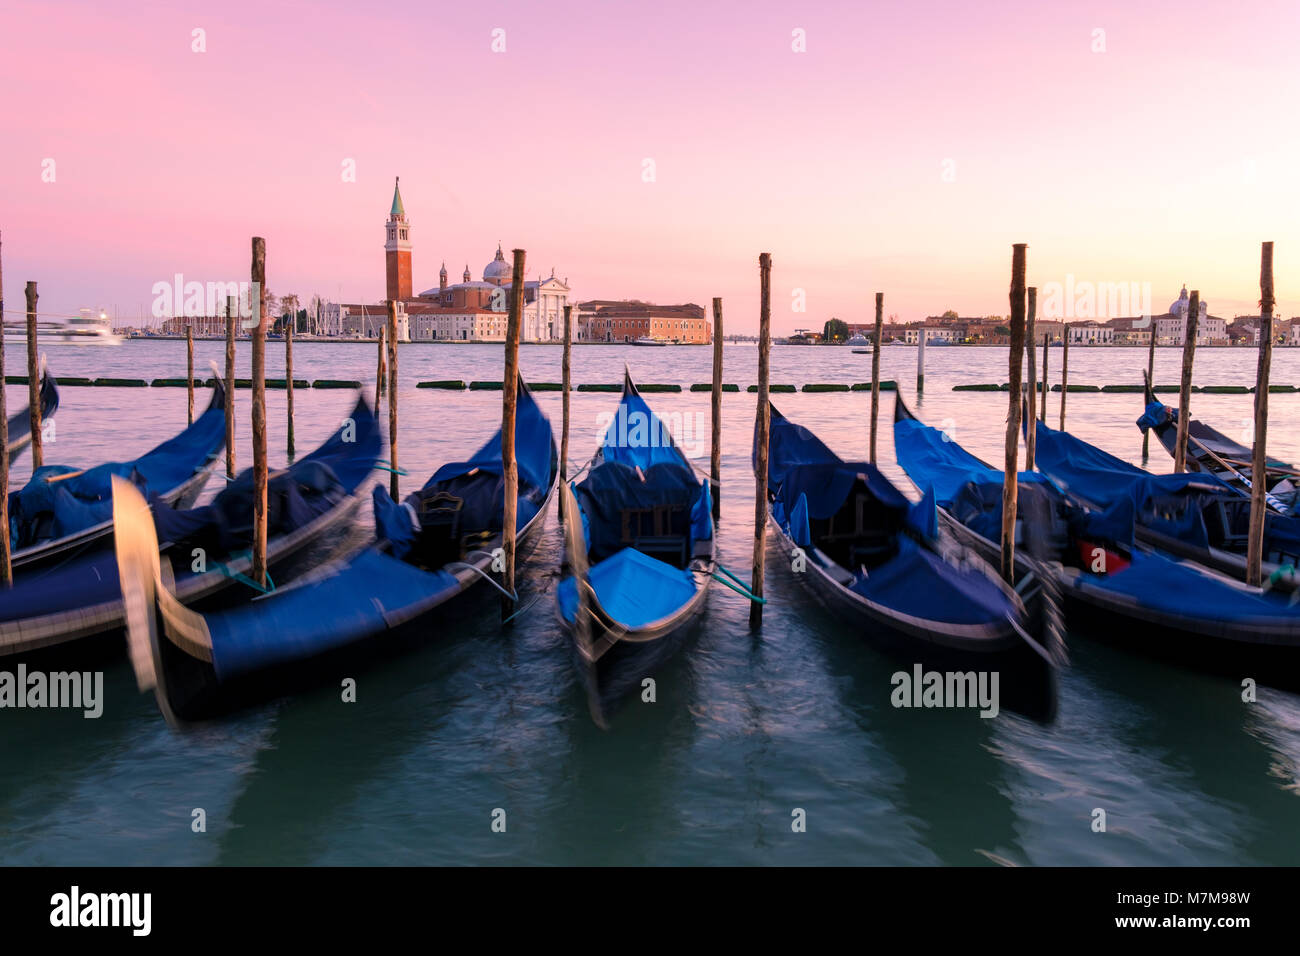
(888, 567)
(20, 423)
(65, 607)
(1137, 597)
(429, 549)
(641, 532)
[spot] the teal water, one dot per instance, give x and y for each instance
(746, 728)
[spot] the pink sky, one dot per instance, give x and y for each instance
(1166, 159)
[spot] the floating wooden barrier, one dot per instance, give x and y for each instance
(454, 384)
(170, 383)
(1225, 389)
(978, 388)
(1128, 389)
(888, 385)
(825, 387)
(1165, 389)
(1275, 389)
(775, 388)
(121, 382)
(1078, 388)
(281, 383)
(604, 388)
(708, 387)
(657, 388)
(547, 386)
(76, 381)
(485, 386)
(334, 383)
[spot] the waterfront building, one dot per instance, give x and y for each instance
(607, 320)
(1091, 333)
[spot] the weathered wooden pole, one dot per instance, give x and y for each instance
(920, 362)
(1031, 433)
(565, 385)
(1185, 386)
(189, 369)
(288, 379)
(379, 372)
(1042, 408)
(6, 565)
(232, 317)
(509, 404)
(258, 335)
(1151, 371)
(393, 478)
(1259, 461)
(875, 371)
(1017, 355)
(764, 427)
(715, 447)
(1065, 369)
(33, 379)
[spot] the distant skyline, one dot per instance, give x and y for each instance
(903, 151)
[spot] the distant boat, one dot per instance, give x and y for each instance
(646, 340)
(857, 338)
(89, 327)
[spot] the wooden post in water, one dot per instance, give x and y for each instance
(1042, 408)
(509, 404)
(1065, 369)
(393, 479)
(33, 379)
(1017, 355)
(379, 372)
(920, 361)
(232, 317)
(1031, 433)
(1259, 460)
(6, 565)
(764, 428)
(1185, 386)
(189, 369)
(875, 372)
(1151, 371)
(715, 447)
(258, 334)
(288, 379)
(565, 385)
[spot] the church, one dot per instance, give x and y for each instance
(466, 311)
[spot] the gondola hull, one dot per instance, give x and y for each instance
(20, 424)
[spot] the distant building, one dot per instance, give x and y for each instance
(1131, 330)
(606, 320)
(1091, 333)
(202, 324)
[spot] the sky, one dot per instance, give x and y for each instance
(652, 151)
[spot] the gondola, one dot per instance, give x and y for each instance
(429, 549)
(641, 538)
(74, 608)
(20, 424)
(887, 566)
(64, 511)
(1140, 598)
(1195, 515)
(1211, 451)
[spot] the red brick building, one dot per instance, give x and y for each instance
(605, 320)
(397, 250)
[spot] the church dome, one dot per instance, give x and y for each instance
(498, 271)
(1180, 305)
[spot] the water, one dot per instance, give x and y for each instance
(745, 730)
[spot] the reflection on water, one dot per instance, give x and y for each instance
(746, 729)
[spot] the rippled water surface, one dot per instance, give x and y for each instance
(746, 727)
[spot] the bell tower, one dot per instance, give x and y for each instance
(397, 249)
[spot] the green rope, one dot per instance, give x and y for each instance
(382, 465)
(1287, 569)
(243, 578)
(739, 585)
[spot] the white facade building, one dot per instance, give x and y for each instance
(1091, 333)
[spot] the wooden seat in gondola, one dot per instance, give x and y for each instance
(661, 531)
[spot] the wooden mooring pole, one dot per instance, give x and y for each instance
(1151, 371)
(509, 406)
(379, 372)
(566, 383)
(1017, 354)
(875, 372)
(1042, 408)
(1031, 433)
(920, 361)
(715, 435)
(1065, 369)
(764, 427)
(232, 317)
(189, 370)
(258, 335)
(394, 480)
(1259, 460)
(288, 381)
(1185, 386)
(6, 563)
(33, 379)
